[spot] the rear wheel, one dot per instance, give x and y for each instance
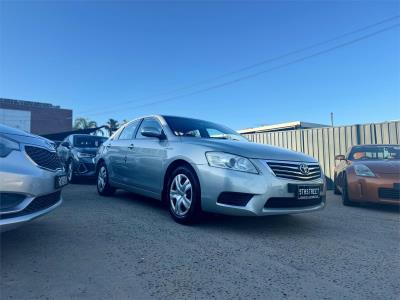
(103, 185)
(183, 195)
(345, 195)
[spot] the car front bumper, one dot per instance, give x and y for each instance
(84, 167)
(260, 188)
(33, 186)
(383, 189)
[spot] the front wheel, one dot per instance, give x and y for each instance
(70, 172)
(336, 190)
(184, 195)
(345, 195)
(103, 185)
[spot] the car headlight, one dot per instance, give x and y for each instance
(363, 170)
(7, 145)
(230, 161)
(84, 155)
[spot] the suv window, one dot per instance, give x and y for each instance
(150, 122)
(129, 131)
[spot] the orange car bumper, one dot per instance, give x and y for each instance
(382, 189)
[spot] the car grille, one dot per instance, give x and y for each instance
(387, 193)
(291, 170)
(44, 158)
(37, 204)
(291, 202)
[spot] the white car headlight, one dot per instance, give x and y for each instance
(7, 145)
(84, 155)
(230, 161)
(363, 170)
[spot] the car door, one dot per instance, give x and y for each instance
(145, 161)
(117, 151)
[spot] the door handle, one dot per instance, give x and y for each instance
(131, 146)
(108, 146)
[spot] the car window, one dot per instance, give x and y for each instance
(215, 133)
(88, 141)
(375, 152)
(129, 131)
(186, 127)
(150, 122)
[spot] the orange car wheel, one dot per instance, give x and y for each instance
(345, 195)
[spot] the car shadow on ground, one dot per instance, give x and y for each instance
(277, 224)
(381, 207)
(140, 200)
(211, 221)
(389, 208)
(84, 181)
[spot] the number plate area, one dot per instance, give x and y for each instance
(305, 192)
(60, 181)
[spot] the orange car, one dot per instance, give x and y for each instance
(369, 173)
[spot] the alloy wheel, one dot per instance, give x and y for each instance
(181, 194)
(70, 172)
(102, 178)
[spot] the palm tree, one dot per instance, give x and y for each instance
(124, 121)
(83, 123)
(112, 125)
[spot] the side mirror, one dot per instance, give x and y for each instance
(153, 132)
(65, 144)
(340, 157)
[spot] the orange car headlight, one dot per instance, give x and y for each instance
(363, 170)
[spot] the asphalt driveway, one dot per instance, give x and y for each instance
(128, 247)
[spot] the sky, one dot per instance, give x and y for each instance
(126, 59)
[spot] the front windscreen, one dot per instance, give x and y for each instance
(186, 127)
(88, 141)
(375, 152)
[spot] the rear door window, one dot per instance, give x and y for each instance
(128, 132)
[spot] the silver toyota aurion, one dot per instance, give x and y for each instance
(31, 177)
(196, 166)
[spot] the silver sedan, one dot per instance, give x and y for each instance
(31, 177)
(198, 166)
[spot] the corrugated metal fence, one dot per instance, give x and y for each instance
(327, 142)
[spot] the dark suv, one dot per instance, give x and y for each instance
(77, 152)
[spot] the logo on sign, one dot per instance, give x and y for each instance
(304, 169)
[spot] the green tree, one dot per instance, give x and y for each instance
(111, 125)
(83, 123)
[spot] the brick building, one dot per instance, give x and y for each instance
(35, 117)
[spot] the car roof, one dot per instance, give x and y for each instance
(82, 134)
(376, 145)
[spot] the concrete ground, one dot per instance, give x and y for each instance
(128, 247)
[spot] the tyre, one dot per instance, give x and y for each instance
(70, 172)
(103, 185)
(336, 190)
(183, 195)
(345, 195)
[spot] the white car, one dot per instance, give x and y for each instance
(31, 177)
